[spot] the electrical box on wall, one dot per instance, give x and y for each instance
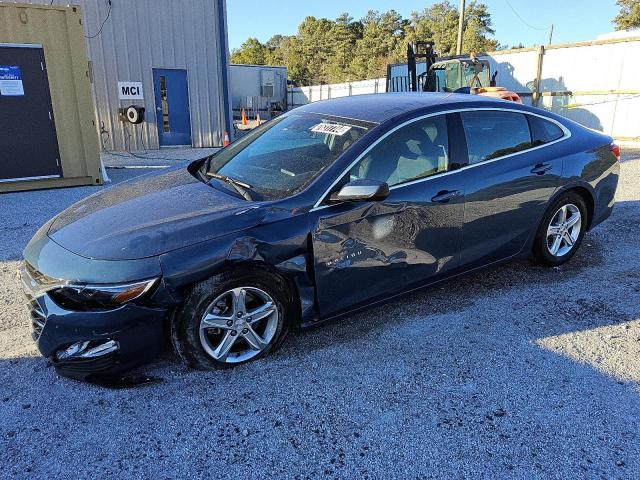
(47, 121)
(132, 114)
(267, 83)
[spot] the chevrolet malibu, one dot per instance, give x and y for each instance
(327, 209)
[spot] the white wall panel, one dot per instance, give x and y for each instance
(588, 71)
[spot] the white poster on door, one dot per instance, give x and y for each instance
(11, 81)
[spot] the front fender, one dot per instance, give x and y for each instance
(281, 246)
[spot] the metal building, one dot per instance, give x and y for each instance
(47, 131)
(258, 89)
(168, 56)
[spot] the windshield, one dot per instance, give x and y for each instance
(282, 156)
(476, 74)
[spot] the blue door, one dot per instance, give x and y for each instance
(172, 106)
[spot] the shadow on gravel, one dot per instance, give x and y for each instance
(446, 382)
(458, 295)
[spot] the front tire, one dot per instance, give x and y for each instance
(231, 319)
(561, 231)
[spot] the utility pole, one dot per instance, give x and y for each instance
(551, 34)
(460, 28)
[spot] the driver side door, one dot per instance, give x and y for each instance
(368, 251)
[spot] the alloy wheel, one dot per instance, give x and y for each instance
(238, 324)
(563, 230)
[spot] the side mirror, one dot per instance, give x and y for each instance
(361, 191)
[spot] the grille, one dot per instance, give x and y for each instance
(38, 318)
(32, 280)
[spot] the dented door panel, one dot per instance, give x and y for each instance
(366, 251)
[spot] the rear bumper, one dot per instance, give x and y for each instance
(605, 195)
(135, 333)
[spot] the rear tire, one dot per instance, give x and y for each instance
(561, 230)
(215, 328)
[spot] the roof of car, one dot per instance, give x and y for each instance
(380, 107)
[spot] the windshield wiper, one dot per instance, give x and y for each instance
(240, 187)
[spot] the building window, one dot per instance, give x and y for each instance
(165, 104)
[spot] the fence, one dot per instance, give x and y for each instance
(302, 95)
(594, 83)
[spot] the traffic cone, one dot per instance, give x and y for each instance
(244, 117)
(226, 141)
(258, 118)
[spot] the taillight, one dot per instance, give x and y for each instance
(615, 149)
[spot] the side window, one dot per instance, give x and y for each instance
(543, 131)
(417, 150)
(475, 74)
(452, 74)
(492, 134)
(437, 80)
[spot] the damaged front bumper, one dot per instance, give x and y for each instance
(87, 345)
(93, 345)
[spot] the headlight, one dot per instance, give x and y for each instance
(87, 297)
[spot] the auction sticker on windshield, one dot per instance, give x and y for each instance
(331, 129)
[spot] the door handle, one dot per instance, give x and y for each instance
(541, 168)
(445, 195)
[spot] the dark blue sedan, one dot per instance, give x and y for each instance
(332, 207)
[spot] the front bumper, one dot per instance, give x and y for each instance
(136, 331)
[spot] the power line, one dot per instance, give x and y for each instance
(103, 22)
(522, 19)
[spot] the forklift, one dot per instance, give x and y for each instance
(458, 75)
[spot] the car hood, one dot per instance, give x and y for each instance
(149, 216)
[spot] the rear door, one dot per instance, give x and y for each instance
(511, 176)
(370, 250)
(28, 142)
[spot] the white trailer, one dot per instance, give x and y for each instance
(258, 89)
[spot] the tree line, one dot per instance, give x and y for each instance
(345, 49)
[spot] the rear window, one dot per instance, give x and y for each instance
(492, 134)
(543, 131)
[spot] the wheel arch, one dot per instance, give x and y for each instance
(269, 248)
(585, 191)
(289, 282)
(587, 194)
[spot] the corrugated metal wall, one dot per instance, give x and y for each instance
(144, 34)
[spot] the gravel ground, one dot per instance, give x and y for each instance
(518, 372)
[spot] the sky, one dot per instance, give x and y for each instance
(574, 20)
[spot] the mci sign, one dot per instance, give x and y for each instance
(130, 91)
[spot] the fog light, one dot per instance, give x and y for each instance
(87, 350)
(72, 350)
